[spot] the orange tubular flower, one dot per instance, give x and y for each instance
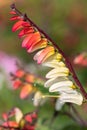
(24, 81)
(20, 24)
(42, 55)
(25, 31)
(15, 18)
(26, 90)
(33, 40)
(17, 84)
(20, 73)
(35, 46)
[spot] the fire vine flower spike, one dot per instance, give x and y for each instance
(51, 55)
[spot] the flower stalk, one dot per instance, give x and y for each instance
(50, 96)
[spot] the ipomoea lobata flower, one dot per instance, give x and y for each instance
(38, 99)
(73, 97)
(59, 78)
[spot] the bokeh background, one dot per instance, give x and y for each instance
(65, 21)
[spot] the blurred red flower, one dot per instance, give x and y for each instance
(23, 122)
(81, 59)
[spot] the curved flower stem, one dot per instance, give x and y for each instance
(69, 114)
(79, 118)
(50, 96)
(68, 64)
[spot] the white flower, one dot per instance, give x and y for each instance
(18, 114)
(59, 81)
(37, 55)
(54, 61)
(57, 72)
(51, 81)
(62, 86)
(38, 99)
(59, 105)
(74, 97)
(54, 64)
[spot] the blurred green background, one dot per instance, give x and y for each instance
(65, 21)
